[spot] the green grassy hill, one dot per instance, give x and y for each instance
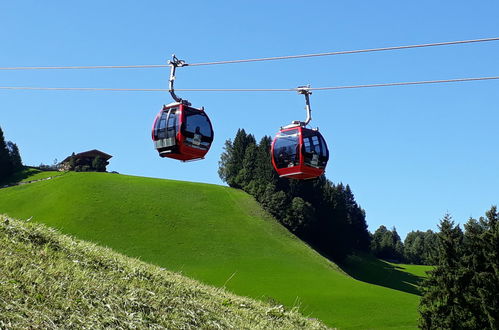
(50, 281)
(211, 233)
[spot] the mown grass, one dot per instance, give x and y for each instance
(211, 233)
(48, 280)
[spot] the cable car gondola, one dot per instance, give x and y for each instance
(179, 130)
(299, 152)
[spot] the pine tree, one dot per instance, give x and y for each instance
(15, 157)
(430, 247)
(413, 247)
(5, 161)
(264, 171)
(223, 163)
(442, 305)
(299, 217)
(481, 244)
(386, 244)
(231, 161)
(360, 237)
(247, 173)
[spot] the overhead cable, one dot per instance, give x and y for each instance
(249, 89)
(346, 52)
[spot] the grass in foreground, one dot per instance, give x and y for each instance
(214, 234)
(48, 280)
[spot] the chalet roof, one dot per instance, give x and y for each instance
(90, 154)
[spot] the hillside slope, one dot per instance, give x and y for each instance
(211, 233)
(52, 281)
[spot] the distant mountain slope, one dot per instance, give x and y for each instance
(211, 233)
(51, 281)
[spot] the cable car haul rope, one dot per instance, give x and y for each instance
(345, 52)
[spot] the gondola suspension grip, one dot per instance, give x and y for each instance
(174, 63)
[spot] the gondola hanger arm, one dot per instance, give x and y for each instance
(305, 90)
(174, 63)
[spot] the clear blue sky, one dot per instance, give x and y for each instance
(410, 154)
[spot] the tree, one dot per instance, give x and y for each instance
(461, 291)
(5, 162)
(386, 244)
(442, 305)
(231, 161)
(299, 217)
(224, 169)
(481, 260)
(247, 172)
(420, 247)
(99, 164)
(361, 239)
(430, 247)
(15, 157)
(414, 247)
(264, 171)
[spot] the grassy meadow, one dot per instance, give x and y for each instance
(222, 237)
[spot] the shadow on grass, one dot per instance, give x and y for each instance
(368, 269)
(19, 176)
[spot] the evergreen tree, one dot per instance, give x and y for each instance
(414, 247)
(247, 173)
(224, 170)
(461, 291)
(442, 305)
(361, 239)
(232, 159)
(299, 217)
(386, 244)
(264, 171)
(5, 162)
(481, 261)
(15, 157)
(430, 247)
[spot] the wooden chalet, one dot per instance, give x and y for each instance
(85, 158)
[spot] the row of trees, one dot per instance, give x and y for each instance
(418, 247)
(321, 213)
(462, 291)
(10, 159)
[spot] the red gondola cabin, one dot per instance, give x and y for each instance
(299, 153)
(182, 132)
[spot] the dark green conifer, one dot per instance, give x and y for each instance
(5, 161)
(442, 305)
(15, 157)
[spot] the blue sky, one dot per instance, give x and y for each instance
(410, 154)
